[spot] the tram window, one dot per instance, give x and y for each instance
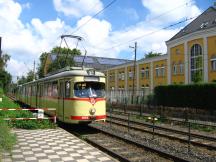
(54, 89)
(67, 89)
(45, 89)
(49, 89)
(89, 89)
(29, 91)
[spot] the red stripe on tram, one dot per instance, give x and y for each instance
(88, 117)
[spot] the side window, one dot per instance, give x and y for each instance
(67, 89)
(45, 89)
(54, 89)
(49, 89)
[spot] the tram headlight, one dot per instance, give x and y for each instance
(92, 111)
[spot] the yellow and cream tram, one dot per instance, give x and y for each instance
(77, 94)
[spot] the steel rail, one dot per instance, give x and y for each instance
(162, 153)
(166, 129)
(165, 135)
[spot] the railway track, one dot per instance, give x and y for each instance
(118, 146)
(174, 151)
(206, 124)
(198, 140)
(125, 151)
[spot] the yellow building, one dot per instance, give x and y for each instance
(192, 51)
(191, 57)
(148, 73)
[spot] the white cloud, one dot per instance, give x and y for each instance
(26, 5)
(25, 42)
(131, 13)
(78, 8)
(175, 10)
(17, 68)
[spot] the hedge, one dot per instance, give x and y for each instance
(201, 96)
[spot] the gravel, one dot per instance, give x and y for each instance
(164, 144)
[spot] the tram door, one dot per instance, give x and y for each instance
(60, 111)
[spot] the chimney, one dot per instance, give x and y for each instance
(0, 47)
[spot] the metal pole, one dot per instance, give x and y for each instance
(110, 117)
(128, 122)
(134, 70)
(0, 46)
(189, 136)
(34, 72)
(153, 118)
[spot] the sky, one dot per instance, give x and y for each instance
(30, 27)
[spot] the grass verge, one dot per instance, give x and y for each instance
(8, 139)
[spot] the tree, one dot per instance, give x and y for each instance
(64, 57)
(30, 77)
(40, 69)
(151, 54)
(5, 77)
(3, 61)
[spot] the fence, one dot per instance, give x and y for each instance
(40, 114)
(141, 103)
(127, 97)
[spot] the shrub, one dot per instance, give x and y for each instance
(7, 139)
(197, 96)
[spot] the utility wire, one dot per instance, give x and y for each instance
(150, 33)
(158, 16)
(94, 16)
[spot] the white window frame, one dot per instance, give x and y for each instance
(143, 73)
(175, 67)
(147, 73)
(162, 69)
(181, 68)
(122, 76)
(213, 64)
(130, 75)
(196, 55)
(157, 71)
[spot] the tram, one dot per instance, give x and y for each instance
(76, 93)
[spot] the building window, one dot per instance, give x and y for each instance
(213, 63)
(122, 76)
(181, 68)
(119, 76)
(174, 69)
(196, 61)
(177, 51)
(147, 72)
(157, 71)
(162, 69)
(130, 74)
(143, 73)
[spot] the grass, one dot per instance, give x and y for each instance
(7, 139)
(24, 124)
(7, 103)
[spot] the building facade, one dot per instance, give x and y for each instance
(190, 58)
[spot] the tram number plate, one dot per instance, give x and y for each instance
(92, 117)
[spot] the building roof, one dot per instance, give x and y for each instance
(143, 60)
(98, 63)
(204, 21)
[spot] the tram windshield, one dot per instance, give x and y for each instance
(89, 89)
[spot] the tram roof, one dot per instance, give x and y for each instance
(70, 71)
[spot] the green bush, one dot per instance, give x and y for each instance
(26, 124)
(7, 139)
(197, 96)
